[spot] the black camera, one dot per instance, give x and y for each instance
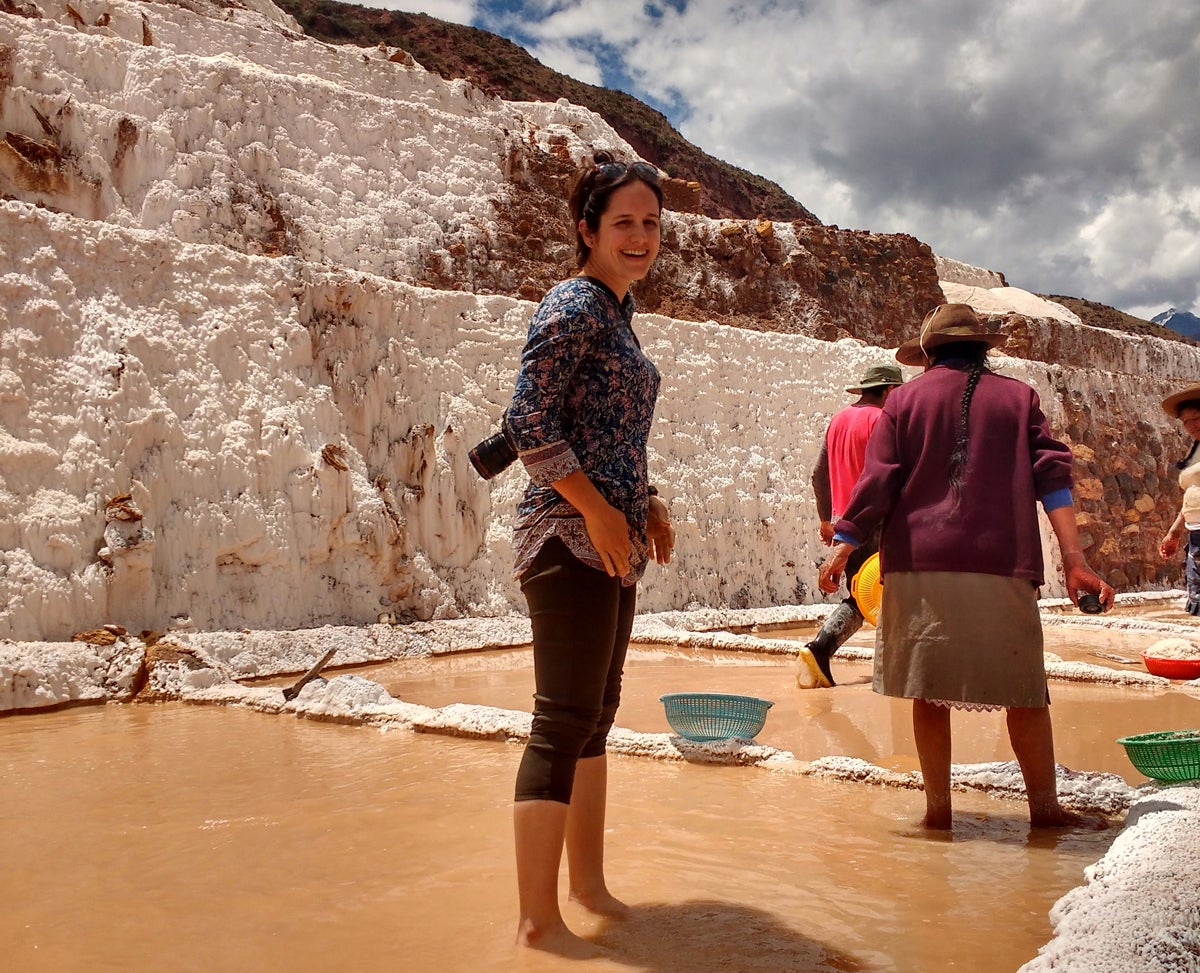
(496, 453)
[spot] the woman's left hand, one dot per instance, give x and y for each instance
(1080, 578)
(659, 531)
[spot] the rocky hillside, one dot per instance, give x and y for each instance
(499, 67)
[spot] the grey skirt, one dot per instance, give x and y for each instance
(965, 638)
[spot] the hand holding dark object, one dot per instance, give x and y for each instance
(1089, 592)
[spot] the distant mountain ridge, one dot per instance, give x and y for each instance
(1184, 322)
(1097, 315)
(498, 66)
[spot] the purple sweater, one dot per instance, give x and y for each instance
(1012, 461)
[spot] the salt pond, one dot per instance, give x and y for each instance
(183, 837)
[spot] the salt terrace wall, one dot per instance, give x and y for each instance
(211, 124)
(224, 399)
(291, 440)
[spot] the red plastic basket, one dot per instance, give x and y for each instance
(1172, 668)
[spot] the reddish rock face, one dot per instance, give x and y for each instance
(830, 283)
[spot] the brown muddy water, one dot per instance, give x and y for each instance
(175, 837)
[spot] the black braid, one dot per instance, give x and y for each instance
(958, 458)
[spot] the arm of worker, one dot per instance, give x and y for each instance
(824, 494)
(1079, 577)
(1170, 542)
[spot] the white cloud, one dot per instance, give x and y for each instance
(1156, 230)
(455, 11)
(1058, 143)
(571, 60)
(566, 34)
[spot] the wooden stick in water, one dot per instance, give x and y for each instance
(1112, 657)
(292, 691)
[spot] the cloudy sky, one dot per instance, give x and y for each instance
(1057, 142)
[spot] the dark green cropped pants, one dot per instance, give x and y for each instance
(581, 623)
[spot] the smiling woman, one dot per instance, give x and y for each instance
(585, 531)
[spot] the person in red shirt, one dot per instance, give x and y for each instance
(833, 479)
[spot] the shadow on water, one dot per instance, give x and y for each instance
(717, 937)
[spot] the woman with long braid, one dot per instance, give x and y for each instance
(954, 470)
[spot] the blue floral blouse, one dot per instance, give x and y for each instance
(584, 399)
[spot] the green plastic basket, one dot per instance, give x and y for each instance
(1166, 755)
(702, 717)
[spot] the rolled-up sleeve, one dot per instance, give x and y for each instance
(557, 340)
(1052, 460)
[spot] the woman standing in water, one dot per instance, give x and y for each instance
(586, 528)
(1185, 406)
(954, 470)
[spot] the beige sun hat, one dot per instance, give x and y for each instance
(1172, 402)
(877, 376)
(945, 324)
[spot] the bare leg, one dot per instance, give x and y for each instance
(539, 828)
(931, 727)
(585, 839)
(1032, 738)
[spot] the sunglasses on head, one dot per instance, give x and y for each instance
(615, 170)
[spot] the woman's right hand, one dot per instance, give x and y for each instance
(830, 577)
(608, 530)
(1080, 578)
(1168, 546)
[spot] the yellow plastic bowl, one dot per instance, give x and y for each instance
(867, 589)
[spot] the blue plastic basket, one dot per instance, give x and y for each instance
(702, 717)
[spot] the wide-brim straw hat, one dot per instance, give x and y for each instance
(878, 376)
(945, 324)
(1172, 402)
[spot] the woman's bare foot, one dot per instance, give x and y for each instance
(602, 903)
(937, 818)
(558, 940)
